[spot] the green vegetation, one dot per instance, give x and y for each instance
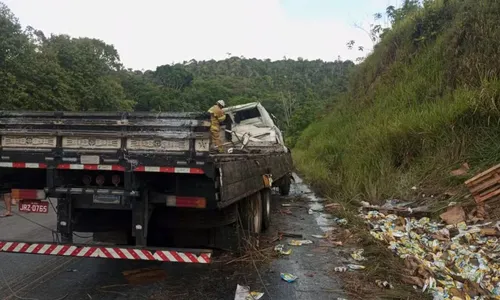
(426, 100)
(63, 73)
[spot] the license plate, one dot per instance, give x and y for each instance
(107, 199)
(41, 207)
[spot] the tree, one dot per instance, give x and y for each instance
(174, 77)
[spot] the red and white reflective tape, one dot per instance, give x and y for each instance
(169, 170)
(91, 167)
(22, 165)
(105, 252)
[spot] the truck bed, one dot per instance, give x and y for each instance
(132, 145)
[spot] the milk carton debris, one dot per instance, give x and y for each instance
(442, 259)
(384, 284)
(299, 242)
(288, 277)
(243, 293)
(281, 250)
(355, 267)
(358, 255)
(319, 236)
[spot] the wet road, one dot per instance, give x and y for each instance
(50, 278)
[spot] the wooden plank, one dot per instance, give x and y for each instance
(485, 184)
(482, 174)
(489, 196)
(487, 191)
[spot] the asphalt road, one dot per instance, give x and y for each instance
(49, 278)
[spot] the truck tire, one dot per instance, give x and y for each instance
(251, 213)
(265, 194)
(284, 187)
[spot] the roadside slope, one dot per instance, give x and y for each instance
(425, 101)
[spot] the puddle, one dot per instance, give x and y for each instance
(325, 221)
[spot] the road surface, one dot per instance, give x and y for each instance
(49, 278)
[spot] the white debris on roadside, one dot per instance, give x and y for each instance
(449, 261)
(358, 255)
(299, 242)
(243, 293)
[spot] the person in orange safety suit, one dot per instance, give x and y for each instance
(217, 116)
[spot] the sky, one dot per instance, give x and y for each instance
(149, 33)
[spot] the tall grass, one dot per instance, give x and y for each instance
(425, 101)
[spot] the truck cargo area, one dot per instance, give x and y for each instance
(140, 181)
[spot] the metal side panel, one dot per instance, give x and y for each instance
(241, 178)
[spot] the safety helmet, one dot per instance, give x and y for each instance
(221, 103)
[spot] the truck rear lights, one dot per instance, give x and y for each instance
(188, 202)
(28, 194)
(115, 179)
(100, 180)
(87, 179)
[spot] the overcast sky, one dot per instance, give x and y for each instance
(149, 33)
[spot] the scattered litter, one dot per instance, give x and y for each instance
(291, 205)
(299, 242)
(291, 234)
(309, 274)
(243, 293)
(365, 204)
(340, 269)
(319, 236)
(71, 270)
(383, 284)
(337, 243)
(341, 221)
(255, 296)
(281, 250)
(453, 215)
(316, 208)
(395, 206)
(288, 277)
(355, 267)
(442, 259)
(414, 188)
(310, 211)
(358, 255)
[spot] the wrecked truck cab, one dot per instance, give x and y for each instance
(254, 124)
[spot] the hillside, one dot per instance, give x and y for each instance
(424, 102)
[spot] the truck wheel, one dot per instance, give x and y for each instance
(251, 213)
(266, 208)
(285, 185)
